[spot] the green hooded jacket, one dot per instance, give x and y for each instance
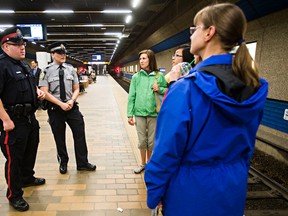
(141, 99)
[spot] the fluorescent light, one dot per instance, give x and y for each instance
(93, 25)
(119, 34)
(58, 11)
(6, 25)
(135, 3)
(128, 19)
(7, 11)
(98, 62)
(116, 11)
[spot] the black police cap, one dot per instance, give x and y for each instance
(13, 34)
(58, 47)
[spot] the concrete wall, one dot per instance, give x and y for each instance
(271, 34)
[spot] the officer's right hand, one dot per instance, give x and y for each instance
(8, 125)
(65, 106)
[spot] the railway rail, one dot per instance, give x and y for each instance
(265, 197)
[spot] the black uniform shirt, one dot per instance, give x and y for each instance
(16, 86)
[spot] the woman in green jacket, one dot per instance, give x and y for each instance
(142, 103)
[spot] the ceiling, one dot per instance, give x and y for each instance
(102, 34)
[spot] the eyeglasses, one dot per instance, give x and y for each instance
(18, 44)
(176, 55)
(194, 28)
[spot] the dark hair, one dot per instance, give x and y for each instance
(187, 56)
(183, 46)
(151, 57)
(230, 24)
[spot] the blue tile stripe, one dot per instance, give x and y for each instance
(273, 115)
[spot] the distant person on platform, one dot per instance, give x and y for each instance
(35, 71)
(19, 128)
(60, 83)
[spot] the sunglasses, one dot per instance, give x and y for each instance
(194, 29)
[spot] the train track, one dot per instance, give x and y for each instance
(265, 197)
(124, 84)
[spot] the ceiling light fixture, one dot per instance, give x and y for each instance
(93, 25)
(128, 19)
(118, 34)
(135, 3)
(58, 11)
(7, 11)
(6, 25)
(116, 11)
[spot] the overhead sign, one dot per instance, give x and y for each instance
(96, 57)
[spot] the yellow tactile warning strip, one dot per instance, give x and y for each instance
(112, 146)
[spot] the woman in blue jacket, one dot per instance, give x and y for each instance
(203, 144)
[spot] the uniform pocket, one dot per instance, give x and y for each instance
(53, 83)
(21, 82)
(69, 77)
(70, 80)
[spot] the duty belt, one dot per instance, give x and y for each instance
(20, 109)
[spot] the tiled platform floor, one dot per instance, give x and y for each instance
(112, 145)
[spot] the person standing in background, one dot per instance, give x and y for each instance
(35, 71)
(142, 104)
(19, 128)
(60, 83)
(206, 129)
(181, 54)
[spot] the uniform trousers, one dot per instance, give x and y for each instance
(74, 118)
(19, 147)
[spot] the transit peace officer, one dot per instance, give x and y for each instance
(60, 83)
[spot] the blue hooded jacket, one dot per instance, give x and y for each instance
(205, 137)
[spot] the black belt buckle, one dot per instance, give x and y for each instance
(18, 109)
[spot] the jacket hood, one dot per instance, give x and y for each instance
(229, 94)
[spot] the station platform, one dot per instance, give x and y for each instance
(112, 146)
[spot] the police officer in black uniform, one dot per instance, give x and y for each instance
(60, 83)
(19, 129)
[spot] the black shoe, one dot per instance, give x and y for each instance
(87, 167)
(63, 168)
(35, 182)
(19, 204)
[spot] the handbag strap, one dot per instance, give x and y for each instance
(158, 102)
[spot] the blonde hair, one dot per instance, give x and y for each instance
(230, 24)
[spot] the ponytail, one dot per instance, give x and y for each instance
(231, 24)
(244, 67)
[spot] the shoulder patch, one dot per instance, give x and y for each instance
(42, 75)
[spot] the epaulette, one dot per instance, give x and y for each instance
(67, 65)
(3, 56)
(49, 65)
